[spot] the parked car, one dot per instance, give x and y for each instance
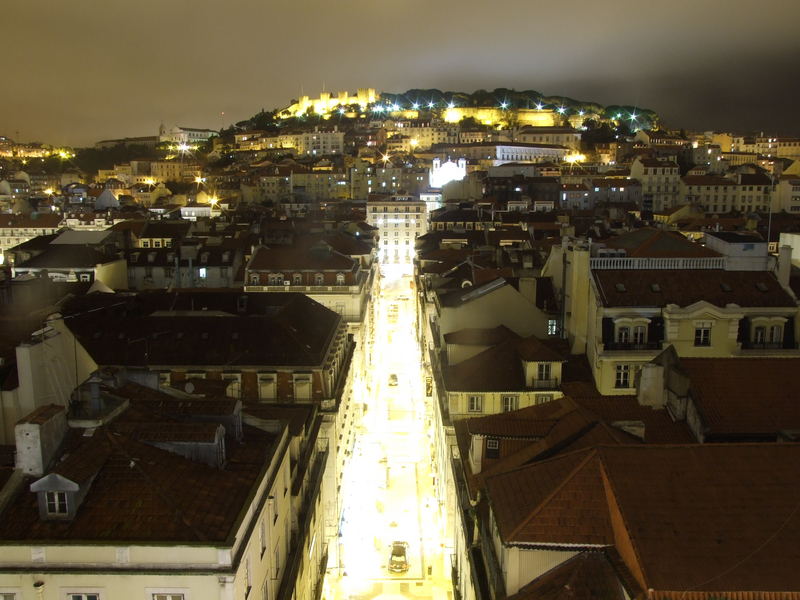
(397, 560)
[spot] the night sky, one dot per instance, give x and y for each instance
(77, 72)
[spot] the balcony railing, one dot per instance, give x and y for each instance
(768, 346)
(545, 384)
(632, 346)
(626, 262)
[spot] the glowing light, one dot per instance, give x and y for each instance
(415, 106)
(561, 110)
(580, 112)
(378, 109)
(415, 141)
(573, 158)
(451, 105)
(199, 179)
(395, 107)
(341, 111)
(385, 158)
(619, 116)
(539, 106)
(49, 191)
(213, 200)
(431, 104)
(150, 181)
(504, 105)
(183, 147)
(64, 154)
(632, 117)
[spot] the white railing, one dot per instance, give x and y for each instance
(625, 262)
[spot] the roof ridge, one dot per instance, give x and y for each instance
(590, 453)
(609, 488)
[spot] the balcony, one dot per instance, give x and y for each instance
(631, 346)
(545, 384)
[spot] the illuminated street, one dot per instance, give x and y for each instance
(388, 494)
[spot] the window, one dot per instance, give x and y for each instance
(623, 376)
(340, 279)
(702, 333)
(297, 279)
(552, 327)
(510, 403)
(80, 596)
(542, 398)
(56, 503)
(492, 448)
(254, 278)
(168, 596)
(319, 279)
(543, 371)
(623, 335)
(776, 334)
(248, 576)
(8, 596)
(760, 335)
(475, 404)
(639, 334)
(202, 272)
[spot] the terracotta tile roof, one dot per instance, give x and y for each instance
(656, 243)
(710, 517)
(686, 286)
(716, 180)
(302, 259)
(171, 329)
(745, 396)
(499, 368)
(585, 576)
(480, 337)
(144, 494)
(42, 414)
(34, 221)
(560, 501)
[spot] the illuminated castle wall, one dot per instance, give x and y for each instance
(327, 102)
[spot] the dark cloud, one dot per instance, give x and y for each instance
(83, 71)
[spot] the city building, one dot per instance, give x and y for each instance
(400, 221)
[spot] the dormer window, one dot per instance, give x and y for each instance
(254, 278)
(297, 279)
(340, 279)
(319, 279)
(56, 503)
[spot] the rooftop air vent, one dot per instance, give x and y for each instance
(655, 287)
(620, 287)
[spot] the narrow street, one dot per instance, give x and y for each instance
(388, 493)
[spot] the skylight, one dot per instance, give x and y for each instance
(620, 287)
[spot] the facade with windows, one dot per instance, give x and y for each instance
(635, 314)
(510, 375)
(400, 221)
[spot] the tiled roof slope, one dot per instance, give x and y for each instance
(144, 494)
(174, 328)
(556, 502)
(585, 576)
(657, 243)
(745, 395)
(698, 518)
(637, 287)
(499, 367)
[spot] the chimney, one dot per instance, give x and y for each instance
(38, 437)
(651, 389)
(784, 265)
(96, 402)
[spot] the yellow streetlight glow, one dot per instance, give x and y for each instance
(573, 158)
(49, 191)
